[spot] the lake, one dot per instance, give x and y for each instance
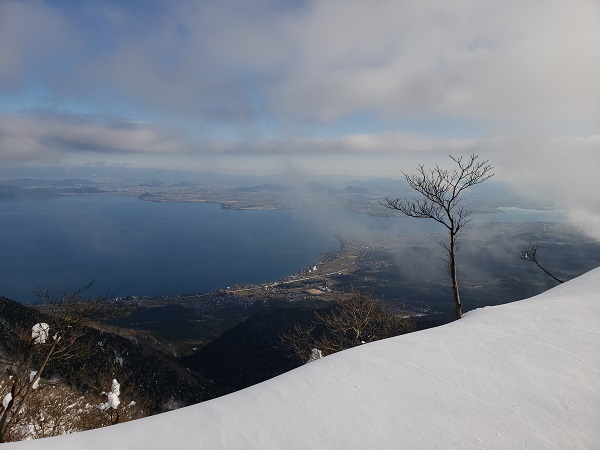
(134, 247)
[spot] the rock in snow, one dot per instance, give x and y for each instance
(520, 375)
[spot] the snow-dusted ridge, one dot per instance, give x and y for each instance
(520, 375)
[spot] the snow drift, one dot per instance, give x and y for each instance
(520, 375)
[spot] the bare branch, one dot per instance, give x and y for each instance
(66, 317)
(530, 254)
(440, 191)
(354, 320)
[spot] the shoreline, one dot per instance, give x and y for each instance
(320, 273)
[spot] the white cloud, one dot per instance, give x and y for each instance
(459, 59)
(35, 39)
(248, 80)
(52, 137)
(564, 169)
(558, 171)
(46, 135)
(232, 61)
(587, 221)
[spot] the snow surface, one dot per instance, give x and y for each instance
(112, 401)
(6, 400)
(520, 375)
(39, 333)
(32, 375)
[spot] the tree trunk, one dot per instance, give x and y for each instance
(3, 427)
(457, 304)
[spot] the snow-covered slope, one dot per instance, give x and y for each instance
(521, 375)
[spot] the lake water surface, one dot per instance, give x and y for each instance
(133, 247)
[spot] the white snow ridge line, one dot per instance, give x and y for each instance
(520, 375)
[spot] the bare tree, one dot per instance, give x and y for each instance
(441, 191)
(58, 338)
(530, 254)
(354, 320)
(48, 411)
(56, 408)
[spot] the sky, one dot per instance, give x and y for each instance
(323, 87)
(519, 375)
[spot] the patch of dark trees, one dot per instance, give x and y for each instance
(161, 382)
